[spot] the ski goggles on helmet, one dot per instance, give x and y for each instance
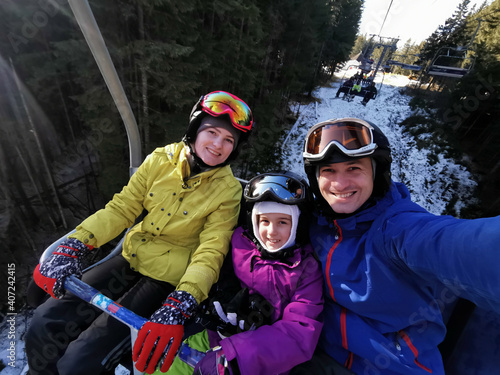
(353, 137)
(220, 102)
(283, 188)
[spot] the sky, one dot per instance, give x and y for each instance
(408, 18)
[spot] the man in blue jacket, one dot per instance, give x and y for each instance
(389, 265)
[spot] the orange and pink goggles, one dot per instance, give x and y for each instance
(220, 102)
(353, 137)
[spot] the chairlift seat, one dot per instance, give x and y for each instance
(450, 62)
(360, 93)
(447, 71)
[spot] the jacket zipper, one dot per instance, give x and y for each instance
(343, 330)
(338, 239)
(343, 313)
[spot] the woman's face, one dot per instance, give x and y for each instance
(214, 143)
(346, 186)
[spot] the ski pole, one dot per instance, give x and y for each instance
(132, 320)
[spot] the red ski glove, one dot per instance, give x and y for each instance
(64, 261)
(166, 327)
(169, 339)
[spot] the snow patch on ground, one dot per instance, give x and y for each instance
(12, 331)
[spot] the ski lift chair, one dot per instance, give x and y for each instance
(451, 62)
(350, 95)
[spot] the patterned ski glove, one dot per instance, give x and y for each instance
(215, 363)
(64, 261)
(166, 327)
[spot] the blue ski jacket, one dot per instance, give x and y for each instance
(389, 270)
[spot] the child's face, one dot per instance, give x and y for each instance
(274, 229)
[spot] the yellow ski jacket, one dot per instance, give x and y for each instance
(186, 233)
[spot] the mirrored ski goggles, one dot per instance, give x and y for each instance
(220, 102)
(284, 188)
(353, 137)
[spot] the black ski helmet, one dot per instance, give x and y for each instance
(379, 151)
(281, 187)
(198, 112)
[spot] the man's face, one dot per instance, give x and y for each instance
(346, 186)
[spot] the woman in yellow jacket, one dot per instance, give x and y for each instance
(172, 257)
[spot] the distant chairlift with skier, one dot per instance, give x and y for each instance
(358, 85)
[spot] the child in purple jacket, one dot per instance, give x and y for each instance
(273, 323)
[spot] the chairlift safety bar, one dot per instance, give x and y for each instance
(132, 320)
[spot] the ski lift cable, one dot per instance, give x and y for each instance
(383, 23)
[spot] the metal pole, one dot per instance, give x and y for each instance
(475, 33)
(95, 41)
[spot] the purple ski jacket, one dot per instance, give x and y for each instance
(294, 288)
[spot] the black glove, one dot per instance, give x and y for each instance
(244, 312)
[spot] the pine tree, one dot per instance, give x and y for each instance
(343, 27)
(452, 34)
